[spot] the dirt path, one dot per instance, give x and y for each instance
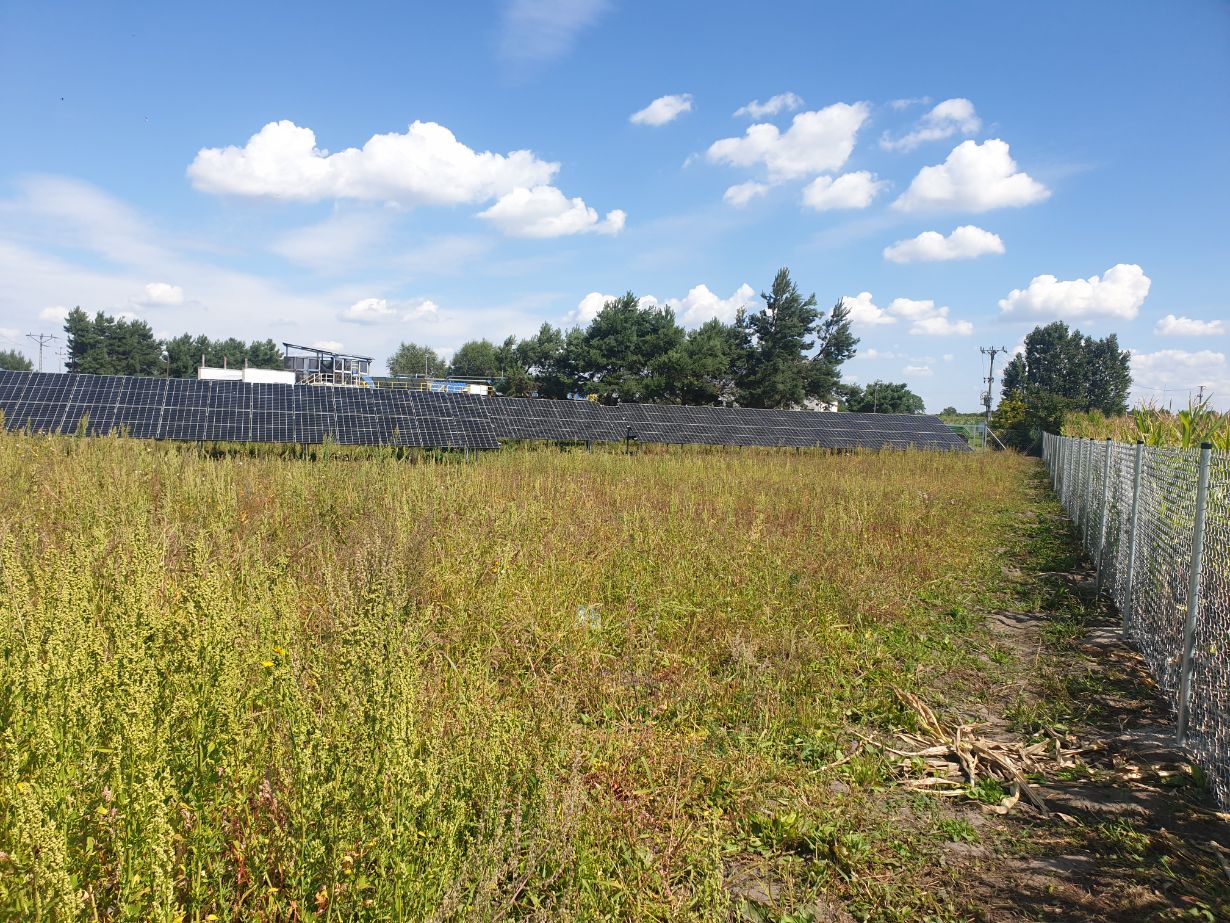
(1131, 832)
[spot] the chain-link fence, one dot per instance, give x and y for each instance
(1156, 523)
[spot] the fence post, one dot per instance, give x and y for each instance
(1193, 593)
(1131, 562)
(1088, 490)
(1063, 464)
(1105, 515)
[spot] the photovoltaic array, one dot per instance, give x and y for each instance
(232, 411)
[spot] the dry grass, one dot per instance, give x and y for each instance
(541, 684)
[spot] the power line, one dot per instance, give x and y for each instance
(42, 339)
(991, 351)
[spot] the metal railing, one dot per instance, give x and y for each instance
(1156, 522)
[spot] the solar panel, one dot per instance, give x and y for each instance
(229, 411)
(516, 418)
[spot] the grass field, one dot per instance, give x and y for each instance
(538, 684)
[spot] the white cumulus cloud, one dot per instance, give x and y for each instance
(1171, 326)
(918, 371)
(1118, 294)
(850, 190)
(700, 305)
(425, 309)
(927, 319)
(368, 311)
(331, 345)
(739, 195)
(544, 211)
(782, 102)
(162, 294)
(55, 315)
(588, 307)
(426, 165)
(945, 120)
(863, 311)
(975, 177)
(964, 243)
(1164, 375)
(662, 110)
(815, 142)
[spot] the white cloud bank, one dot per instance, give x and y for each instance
(424, 309)
(1164, 375)
(426, 165)
(380, 311)
(1118, 295)
(815, 142)
(161, 294)
(850, 190)
(782, 102)
(544, 211)
(945, 120)
(368, 311)
(662, 110)
(964, 243)
(699, 305)
(54, 315)
(928, 320)
(1171, 326)
(924, 317)
(864, 312)
(976, 178)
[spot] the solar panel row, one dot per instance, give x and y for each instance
(157, 408)
(230, 411)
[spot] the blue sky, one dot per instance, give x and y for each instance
(208, 169)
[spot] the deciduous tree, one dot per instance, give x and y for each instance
(413, 359)
(13, 361)
(882, 397)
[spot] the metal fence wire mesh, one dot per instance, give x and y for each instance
(1166, 568)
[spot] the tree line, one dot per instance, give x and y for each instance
(106, 345)
(1061, 371)
(787, 354)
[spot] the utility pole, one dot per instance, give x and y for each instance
(991, 351)
(42, 339)
(1200, 396)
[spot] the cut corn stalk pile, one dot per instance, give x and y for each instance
(955, 759)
